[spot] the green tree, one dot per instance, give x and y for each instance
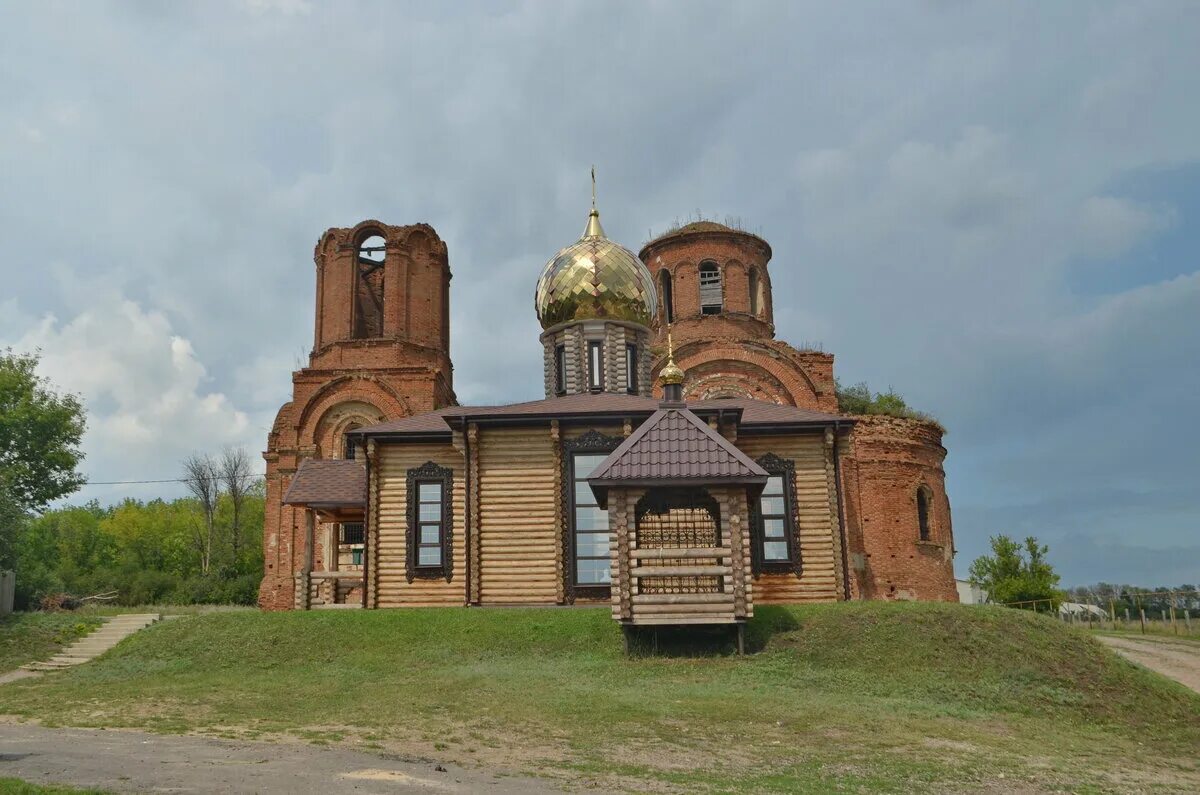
(40, 432)
(1016, 572)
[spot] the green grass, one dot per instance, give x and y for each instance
(848, 697)
(26, 637)
(14, 786)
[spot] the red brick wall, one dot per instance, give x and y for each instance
(356, 381)
(888, 461)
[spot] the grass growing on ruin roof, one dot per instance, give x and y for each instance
(867, 696)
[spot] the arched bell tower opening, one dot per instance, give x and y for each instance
(369, 286)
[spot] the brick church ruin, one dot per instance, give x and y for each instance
(683, 465)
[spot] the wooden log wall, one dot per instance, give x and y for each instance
(820, 579)
(388, 572)
(517, 516)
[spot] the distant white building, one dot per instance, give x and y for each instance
(969, 594)
(1080, 610)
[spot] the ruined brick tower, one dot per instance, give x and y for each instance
(714, 290)
(381, 351)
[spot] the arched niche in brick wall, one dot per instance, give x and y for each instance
(350, 389)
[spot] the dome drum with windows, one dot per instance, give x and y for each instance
(595, 279)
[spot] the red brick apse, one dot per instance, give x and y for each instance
(381, 352)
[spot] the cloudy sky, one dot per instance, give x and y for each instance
(990, 207)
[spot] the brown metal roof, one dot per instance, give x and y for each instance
(753, 413)
(328, 483)
(675, 445)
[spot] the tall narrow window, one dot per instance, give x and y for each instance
(591, 525)
(368, 287)
(664, 279)
(754, 291)
(595, 365)
(631, 369)
(710, 288)
(774, 524)
(560, 369)
(923, 512)
(428, 537)
(348, 443)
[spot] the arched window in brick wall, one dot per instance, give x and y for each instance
(711, 298)
(923, 499)
(664, 280)
(368, 287)
(754, 302)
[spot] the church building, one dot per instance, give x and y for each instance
(682, 466)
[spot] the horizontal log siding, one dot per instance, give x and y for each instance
(818, 581)
(517, 509)
(393, 587)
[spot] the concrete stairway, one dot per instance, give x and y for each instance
(109, 634)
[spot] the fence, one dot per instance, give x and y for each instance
(1159, 621)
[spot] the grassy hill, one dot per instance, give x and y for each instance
(847, 697)
(25, 637)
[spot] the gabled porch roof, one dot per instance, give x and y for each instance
(674, 448)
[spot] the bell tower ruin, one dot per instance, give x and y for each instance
(381, 351)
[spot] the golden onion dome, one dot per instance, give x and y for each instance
(595, 278)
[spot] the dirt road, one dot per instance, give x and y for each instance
(1177, 659)
(124, 761)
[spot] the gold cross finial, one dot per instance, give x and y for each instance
(671, 372)
(593, 187)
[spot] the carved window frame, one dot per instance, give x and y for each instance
(785, 469)
(591, 442)
(429, 472)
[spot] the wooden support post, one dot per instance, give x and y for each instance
(1142, 613)
(741, 638)
(1187, 620)
(1127, 618)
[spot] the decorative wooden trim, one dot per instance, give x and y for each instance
(429, 472)
(560, 592)
(785, 468)
(591, 442)
(371, 536)
(475, 550)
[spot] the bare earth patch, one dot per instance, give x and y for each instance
(1178, 660)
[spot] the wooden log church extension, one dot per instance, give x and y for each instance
(674, 493)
